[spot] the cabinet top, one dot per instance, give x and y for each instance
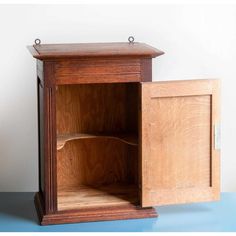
(84, 50)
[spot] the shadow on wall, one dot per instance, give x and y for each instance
(17, 206)
(18, 129)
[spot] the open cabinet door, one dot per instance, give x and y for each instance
(179, 142)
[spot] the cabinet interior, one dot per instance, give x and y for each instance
(97, 145)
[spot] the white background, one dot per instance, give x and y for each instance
(199, 42)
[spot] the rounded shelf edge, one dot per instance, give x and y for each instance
(129, 139)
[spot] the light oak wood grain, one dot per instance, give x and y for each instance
(94, 161)
(179, 164)
(95, 108)
(130, 139)
(85, 196)
(97, 137)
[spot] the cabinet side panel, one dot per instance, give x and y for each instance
(146, 70)
(50, 161)
(41, 135)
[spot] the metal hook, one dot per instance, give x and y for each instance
(131, 39)
(37, 41)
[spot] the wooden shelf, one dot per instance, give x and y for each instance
(84, 196)
(130, 139)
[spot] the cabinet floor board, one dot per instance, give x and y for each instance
(85, 196)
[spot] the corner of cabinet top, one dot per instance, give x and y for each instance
(93, 50)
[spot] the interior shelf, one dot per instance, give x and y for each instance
(130, 139)
(85, 196)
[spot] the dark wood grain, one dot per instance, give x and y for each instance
(146, 70)
(40, 94)
(95, 88)
(98, 71)
(39, 202)
(83, 50)
(50, 161)
(90, 88)
(92, 214)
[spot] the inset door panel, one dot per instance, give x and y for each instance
(179, 162)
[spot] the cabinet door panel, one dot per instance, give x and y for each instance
(178, 160)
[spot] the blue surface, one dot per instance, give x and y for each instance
(17, 213)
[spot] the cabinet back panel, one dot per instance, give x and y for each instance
(96, 108)
(96, 162)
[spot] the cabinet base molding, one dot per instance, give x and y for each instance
(93, 214)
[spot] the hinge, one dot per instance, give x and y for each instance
(217, 136)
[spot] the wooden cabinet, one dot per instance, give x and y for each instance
(113, 144)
